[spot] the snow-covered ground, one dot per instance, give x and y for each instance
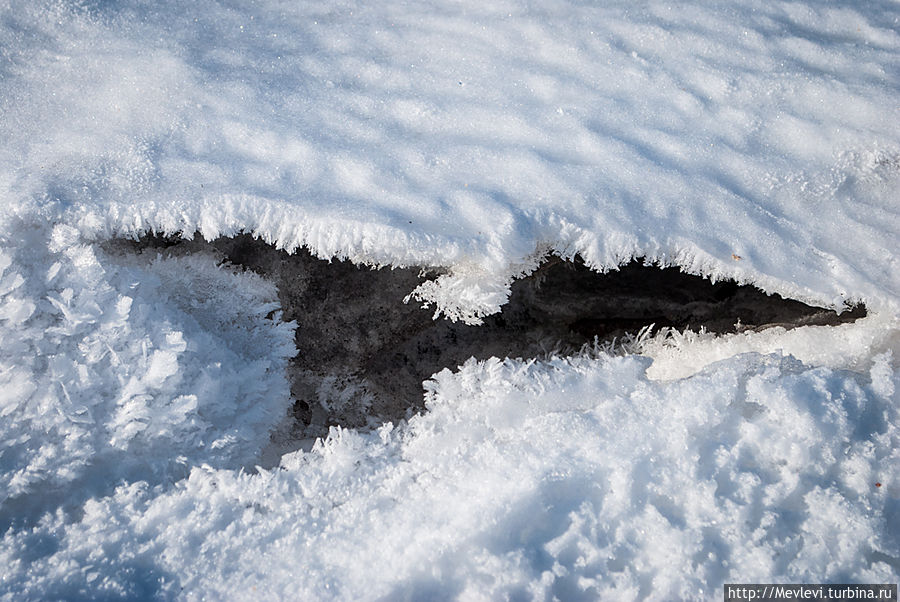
(758, 141)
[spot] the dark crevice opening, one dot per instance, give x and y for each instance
(363, 353)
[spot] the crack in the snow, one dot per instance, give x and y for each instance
(363, 353)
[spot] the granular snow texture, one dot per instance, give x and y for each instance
(757, 141)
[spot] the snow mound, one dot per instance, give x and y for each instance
(474, 136)
(754, 141)
(112, 371)
(573, 479)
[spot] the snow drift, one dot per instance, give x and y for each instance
(757, 142)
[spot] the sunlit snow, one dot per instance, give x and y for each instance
(756, 141)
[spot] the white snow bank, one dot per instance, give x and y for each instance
(758, 141)
(850, 346)
(110, 371)
(572, 480)
(474, 135)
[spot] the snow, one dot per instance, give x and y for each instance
(473, 136)
(679, 354)
(130, 372)
(577, 479)
(759, 142)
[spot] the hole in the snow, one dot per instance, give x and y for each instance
(363, 352)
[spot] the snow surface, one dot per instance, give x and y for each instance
(758, 141)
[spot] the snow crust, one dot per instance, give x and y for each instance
(758, 141)
(114, 372)
(474, 135)
(570, 480)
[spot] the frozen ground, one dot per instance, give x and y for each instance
(757, 141)
(362, 352)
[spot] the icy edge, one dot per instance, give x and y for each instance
(479, 271)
